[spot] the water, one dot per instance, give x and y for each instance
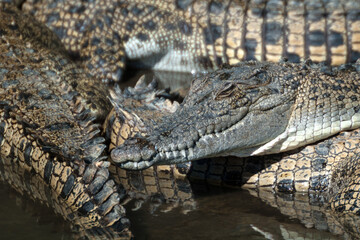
(21, 218)
(219, 214)
(225, 215)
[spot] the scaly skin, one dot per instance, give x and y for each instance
(48, 107)
(302, 183)
(42, 133)
(200, 35)
(33, 187)
(248, 110)
(160, 182)
(315, 184)
(323, 173)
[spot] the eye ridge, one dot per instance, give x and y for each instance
(226, 91)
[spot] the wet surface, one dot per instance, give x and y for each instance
(218, 214)
(21, 218)
(221, 214)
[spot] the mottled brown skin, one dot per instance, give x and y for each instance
(48, 107)
(300, 183)
(200, 35)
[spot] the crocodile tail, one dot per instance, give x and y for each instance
(82, 184)
(47, 125)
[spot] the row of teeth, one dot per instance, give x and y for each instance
(196, 135)
(136, 165)
(182, 150)
(221, 125)
(184, 154)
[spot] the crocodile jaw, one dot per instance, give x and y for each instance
(141, 153)
(275, 95)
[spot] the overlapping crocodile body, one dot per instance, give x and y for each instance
(173, 192)
(48, 108)
(200, 35)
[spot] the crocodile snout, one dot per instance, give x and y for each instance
(134, 154)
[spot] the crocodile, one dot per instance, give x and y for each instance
(89, 157)
(200, 35)
(31, 189)
(247, 110)
(47, 122)
(323, 174)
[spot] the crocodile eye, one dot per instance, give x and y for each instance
(229, 89)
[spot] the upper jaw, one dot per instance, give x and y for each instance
(241, 140)
(169, 145)
(208, 124)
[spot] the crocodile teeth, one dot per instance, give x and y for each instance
(129, 165)
(183, 153)
(203, 142)
(181, 146)
(168, 155)
(144, 164)
(166, 148)
(135, 165)
(173, 147)
(176, 154)
(191, 152)
(162, 155)
(210, 129)
(201, 132)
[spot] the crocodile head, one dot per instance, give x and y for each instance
(233, 111)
